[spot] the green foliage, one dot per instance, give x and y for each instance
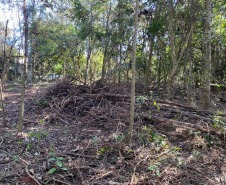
(141, 100)
(218, 122)
(39, 136)
(154, 168)
(52, 170)
(156, 25)
(104, 150)
(118, 138)
(57, 162)
(16, 159)
(41, 102)
(150, 136)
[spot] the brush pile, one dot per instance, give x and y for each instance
(91, 124)
(69, 102)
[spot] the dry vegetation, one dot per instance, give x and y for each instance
(75, 136)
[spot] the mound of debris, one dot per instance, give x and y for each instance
(87, 126)
(69, 102)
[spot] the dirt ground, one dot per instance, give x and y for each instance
(74, 134)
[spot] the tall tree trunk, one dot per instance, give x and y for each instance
(20, 126)
(121, 40)
(79, 68)
(175, 59)
(147, 70)
(4, 63)
(151, 41)
(170, 80)
(132, 104)
(106, 45)
(190, 54)
(89, 44)
(34, 60)
(74, 64)
(207, 59)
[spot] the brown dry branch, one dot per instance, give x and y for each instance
(182, 124)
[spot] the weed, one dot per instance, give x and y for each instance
(155, 168)
(104, 150)
(219, 122)
(179, 161)
(196, 154)
(57, 162)
(118, 138)
(149, 135)
(41, 102)
(39, 136)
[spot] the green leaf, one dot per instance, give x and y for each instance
(51, 159)
(38, 136)
(28, 146)
(15, 158)
(41, 121)
(31, 134)
(155, 103)
(59, 163)
(45, 134)
(60, 158)
(52, 170)
(64, 169)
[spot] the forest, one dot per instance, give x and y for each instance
(113, 92)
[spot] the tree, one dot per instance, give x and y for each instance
(25, 13)
(151, 43)
(132, 103)
(106, 43)
(175, 58)
(207, 59)
(4, 63)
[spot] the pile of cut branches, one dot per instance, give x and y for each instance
(68, 102)
(87, 126)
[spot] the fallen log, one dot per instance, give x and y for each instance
(109, 95)
(182, 124)
(171, 103)
(190, 108)
(188, 114)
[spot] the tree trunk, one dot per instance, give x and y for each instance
(176, 60)
(3, 105)
(79, 69)
(5, 57)
(20, 126)
(34, 60)
(190, 54)
(121, 40)
(89, 44)
(170, 80)
(132, 104)
(147, 70)
(207, 59)
(106, 46)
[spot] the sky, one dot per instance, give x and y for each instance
(10, 12)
